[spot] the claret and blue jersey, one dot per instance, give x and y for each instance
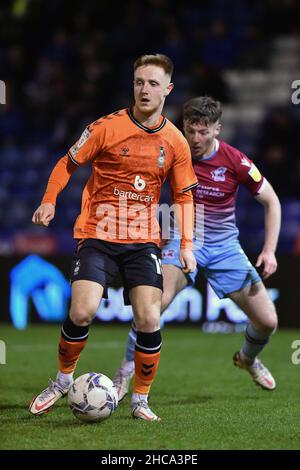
(217, 248)
(219, 176)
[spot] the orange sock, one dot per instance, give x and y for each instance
(68, 354)
(145, 370)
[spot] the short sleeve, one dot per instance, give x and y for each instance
(249, 175)
(88, 145)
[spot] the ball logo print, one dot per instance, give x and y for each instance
(139, 183)
(93, 397)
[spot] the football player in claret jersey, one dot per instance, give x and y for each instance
(132, 151)
(220, 169)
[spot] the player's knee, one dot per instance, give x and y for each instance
(148, 321)
(273, 322)
(270, 322)
(81, 316)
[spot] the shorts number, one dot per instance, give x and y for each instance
(157, 263)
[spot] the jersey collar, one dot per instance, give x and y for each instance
(149, 130)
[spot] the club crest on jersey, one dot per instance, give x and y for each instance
(161, 158)
(219, 174)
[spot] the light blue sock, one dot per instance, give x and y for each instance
(254, 343)
(130, 347)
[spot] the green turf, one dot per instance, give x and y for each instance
(204, 402)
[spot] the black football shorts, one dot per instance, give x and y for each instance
(100, 261)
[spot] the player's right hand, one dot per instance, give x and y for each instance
(187, 260)
(44, 214)
(267, 262)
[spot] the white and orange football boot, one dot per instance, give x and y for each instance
(141, 410)
(259, 373)
(45, 400)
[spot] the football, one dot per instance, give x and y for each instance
(92, 397)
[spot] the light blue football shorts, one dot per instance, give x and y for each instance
(226, 267)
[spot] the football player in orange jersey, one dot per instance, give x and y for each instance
(132, 151)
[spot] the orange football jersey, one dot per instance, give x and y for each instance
(130, 162)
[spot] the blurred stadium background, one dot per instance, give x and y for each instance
(66, 63)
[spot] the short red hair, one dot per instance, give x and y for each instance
(160, 60)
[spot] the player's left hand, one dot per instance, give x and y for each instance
(187, 260)
(267, 260)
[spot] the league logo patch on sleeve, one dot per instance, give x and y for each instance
(255, 173)
(73, 151)
(83, 138)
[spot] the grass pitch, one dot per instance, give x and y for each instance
(204, 402)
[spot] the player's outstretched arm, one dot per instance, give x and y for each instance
(59, 178)
(267, 259)
(44, 214)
